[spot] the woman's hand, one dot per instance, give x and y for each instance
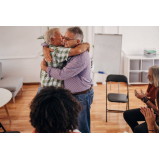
(150, 117)
(139, 95)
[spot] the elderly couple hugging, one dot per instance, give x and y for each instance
(67, 64)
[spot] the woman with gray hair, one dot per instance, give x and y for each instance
(134, 115)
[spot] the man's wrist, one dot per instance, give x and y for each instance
(44, 44)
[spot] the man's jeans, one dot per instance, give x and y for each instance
(84, 116)
(40, 88)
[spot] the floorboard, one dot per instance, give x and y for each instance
(19, 112)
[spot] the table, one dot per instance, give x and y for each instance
(5, 97)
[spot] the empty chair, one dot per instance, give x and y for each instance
(117, 97)
(12, 83)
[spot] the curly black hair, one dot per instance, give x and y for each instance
(54, 110)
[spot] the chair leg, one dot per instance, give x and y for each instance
(2, 128)
(13, 99)
(7, 113)
(106, 110)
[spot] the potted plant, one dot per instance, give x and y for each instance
(42, 37)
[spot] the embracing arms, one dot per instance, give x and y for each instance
(73, 52)
(74, 67)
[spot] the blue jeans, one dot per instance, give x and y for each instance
(84, 116)
(40, 88)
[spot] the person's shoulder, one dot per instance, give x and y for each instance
(34, 131)
(52, 46)
(84, 54)
(75, 131)
(151, 86)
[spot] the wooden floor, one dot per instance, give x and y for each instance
(19, 112)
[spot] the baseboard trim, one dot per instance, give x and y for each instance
(34, 83)
(31, 83)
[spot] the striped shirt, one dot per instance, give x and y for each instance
(59, 55)
(76, 74)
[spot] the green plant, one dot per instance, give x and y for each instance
(91, 62)
(92, 59)
(42, 37)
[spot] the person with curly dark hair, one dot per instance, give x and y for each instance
(54, 110)
(76, 75)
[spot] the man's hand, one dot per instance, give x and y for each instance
(44, 66)
(79, 49)
(88, 47)
(139, 95)
(47, 55)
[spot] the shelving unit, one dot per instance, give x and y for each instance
(136, 68)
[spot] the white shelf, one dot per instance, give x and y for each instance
(138, 70)
(140, 65)
(137, 83)
(142, 57)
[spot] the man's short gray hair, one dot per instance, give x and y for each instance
(50, 34)
(77, 32)
(155, 73)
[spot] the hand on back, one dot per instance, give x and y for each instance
(47, 55)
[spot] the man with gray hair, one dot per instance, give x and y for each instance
(77, 77)
(134, 115)
(59, 54)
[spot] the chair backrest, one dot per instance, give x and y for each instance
(0, 70)
(117, 78)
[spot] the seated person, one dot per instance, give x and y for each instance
(54, 110)
(150, 117)
(59, 54)
(134, 115)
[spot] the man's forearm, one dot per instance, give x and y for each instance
(73, 68)
(83, 47)
(79, 49)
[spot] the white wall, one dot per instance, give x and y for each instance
(134, 40)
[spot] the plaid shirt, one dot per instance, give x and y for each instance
(76, 74)
(59, 55)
